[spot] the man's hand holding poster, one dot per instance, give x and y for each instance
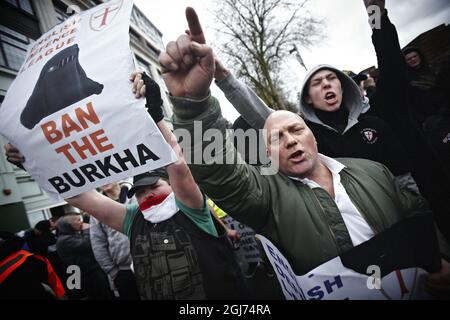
(71, 111)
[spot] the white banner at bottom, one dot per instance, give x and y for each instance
(333, 281)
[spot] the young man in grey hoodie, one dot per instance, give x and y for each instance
(332, 107)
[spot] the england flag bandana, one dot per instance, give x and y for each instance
(159, 208)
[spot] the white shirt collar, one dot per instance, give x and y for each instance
(358, 228)
(333, 165)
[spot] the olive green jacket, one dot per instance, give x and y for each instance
(305, 224)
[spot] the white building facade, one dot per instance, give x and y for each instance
(22, 202)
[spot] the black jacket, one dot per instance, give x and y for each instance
(392, 103)
(26, 281)
(370, 138)
(74, 249)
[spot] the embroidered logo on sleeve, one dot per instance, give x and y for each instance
(369, 135)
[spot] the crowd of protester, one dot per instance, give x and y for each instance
(363, 154)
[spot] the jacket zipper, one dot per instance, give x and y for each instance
(329, 228)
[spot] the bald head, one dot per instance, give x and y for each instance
(290, 143)
(275, 117)
(281, 114)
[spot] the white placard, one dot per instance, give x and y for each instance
(333, 281)
(71, 111)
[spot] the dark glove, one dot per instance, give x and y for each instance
(17, 164)
(153, 97)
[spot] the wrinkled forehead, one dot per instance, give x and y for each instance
(321, 73)
(281, 120)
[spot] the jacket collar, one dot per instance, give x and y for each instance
(333, 165)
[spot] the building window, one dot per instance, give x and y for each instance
(146, 27)
(143, 66)
(24, 5)
(134, 36)
(35, 217)
(151, 51)
(13, 48)
(62, 11)
(2, 60)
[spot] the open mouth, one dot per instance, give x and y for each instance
(330, 97)
(297, 156)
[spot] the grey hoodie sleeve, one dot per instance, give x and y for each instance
(100, 247)
(237, 188)
(245, 101)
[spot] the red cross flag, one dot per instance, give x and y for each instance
(71, 111)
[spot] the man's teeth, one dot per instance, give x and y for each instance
(297, 154)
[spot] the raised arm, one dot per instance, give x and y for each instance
(101, 207)
(243, 98)
(181, 180)
(392, 79)
(236, 187)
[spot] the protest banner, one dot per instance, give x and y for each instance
(382, 268)
(333, 281)
(71, 111)
(248, 250)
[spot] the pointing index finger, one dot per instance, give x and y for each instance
(196, 32)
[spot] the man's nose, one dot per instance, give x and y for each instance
(326, 83)
(290, 141)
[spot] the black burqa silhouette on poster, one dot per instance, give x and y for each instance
(62, 82)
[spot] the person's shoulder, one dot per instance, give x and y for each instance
(372, 119)
(313, 125)
(359, 164)
(366, 171)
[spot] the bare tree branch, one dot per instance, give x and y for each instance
(257, 36)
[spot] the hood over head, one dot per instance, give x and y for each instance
(423, 59)
(351, 97)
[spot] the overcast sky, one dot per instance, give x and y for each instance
(347, 44)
